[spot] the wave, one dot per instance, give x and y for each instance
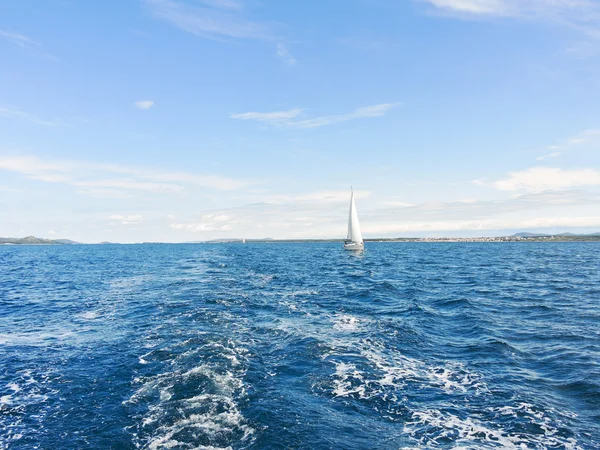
(193, 405)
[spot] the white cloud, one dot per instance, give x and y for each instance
(548, 156)
(18, 114)
(113, 180)
(213, 20)
(127, 220)
(591, 135)
(128, 184)
(324, 215)
(19, 40)
(582, 15)
(208, 222)
(144, 104)
(366, 111)
(472, 6)
(543, 8)
(285, 118)
(26, 43)
(585, 139)
(269, 117)
(223, 4)
(218, 19)
(537, 179)
(285, 55)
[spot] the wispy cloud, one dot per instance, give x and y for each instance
(212, 20)
(12, 113)
(144, 104)
(548, 156)
(323, 215)
(127, 220)
(583, 15)
(537, 179)
(26, 43)
(587, 137)
(218, 19)
(208, 222)
(287, 118)
(280, 117)
(281, 214)
(114, 180)
(224, 4)
(359, 113)
(285, 55)
(19, 40)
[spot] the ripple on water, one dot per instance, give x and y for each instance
(300, 346)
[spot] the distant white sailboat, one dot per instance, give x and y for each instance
(354, 240)
(243, 240)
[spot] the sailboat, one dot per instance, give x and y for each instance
(354, 240)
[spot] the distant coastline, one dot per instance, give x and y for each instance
(519, 237)
(32, 240)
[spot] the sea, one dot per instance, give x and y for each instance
(300, 346)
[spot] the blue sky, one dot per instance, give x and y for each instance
(173, 120)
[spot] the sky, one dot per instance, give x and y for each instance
(191, 120)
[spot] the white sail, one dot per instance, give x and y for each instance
(354, 233)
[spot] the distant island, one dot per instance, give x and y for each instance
(519, 237)
(32, 240)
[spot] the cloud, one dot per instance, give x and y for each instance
(324, 215)
(114, 180)
(584, 139)
(208, 222)
(18, 114)
(128, 184)
(548, 156)
(127, 220)
(582, 15)
(217, 19)
(211, 21)
(588, 136)
(19, 40)
(285, 118)
(26, 43)
(537, 179)
(270, 117)
(284, 215)
(472, 6)
(144, 104)
(223, 4)
(337, 196)
(285, 55)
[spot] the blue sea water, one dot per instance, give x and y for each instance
(300, 346)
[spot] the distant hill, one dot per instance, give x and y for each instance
(32, 240)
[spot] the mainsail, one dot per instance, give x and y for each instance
(354, 233)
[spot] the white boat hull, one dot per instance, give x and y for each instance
(353, 246)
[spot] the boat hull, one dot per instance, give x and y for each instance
(353, 246)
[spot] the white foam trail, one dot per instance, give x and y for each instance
(89, 315)
(170, 421)
(344, 374)
(431, 426)
(347, 323)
